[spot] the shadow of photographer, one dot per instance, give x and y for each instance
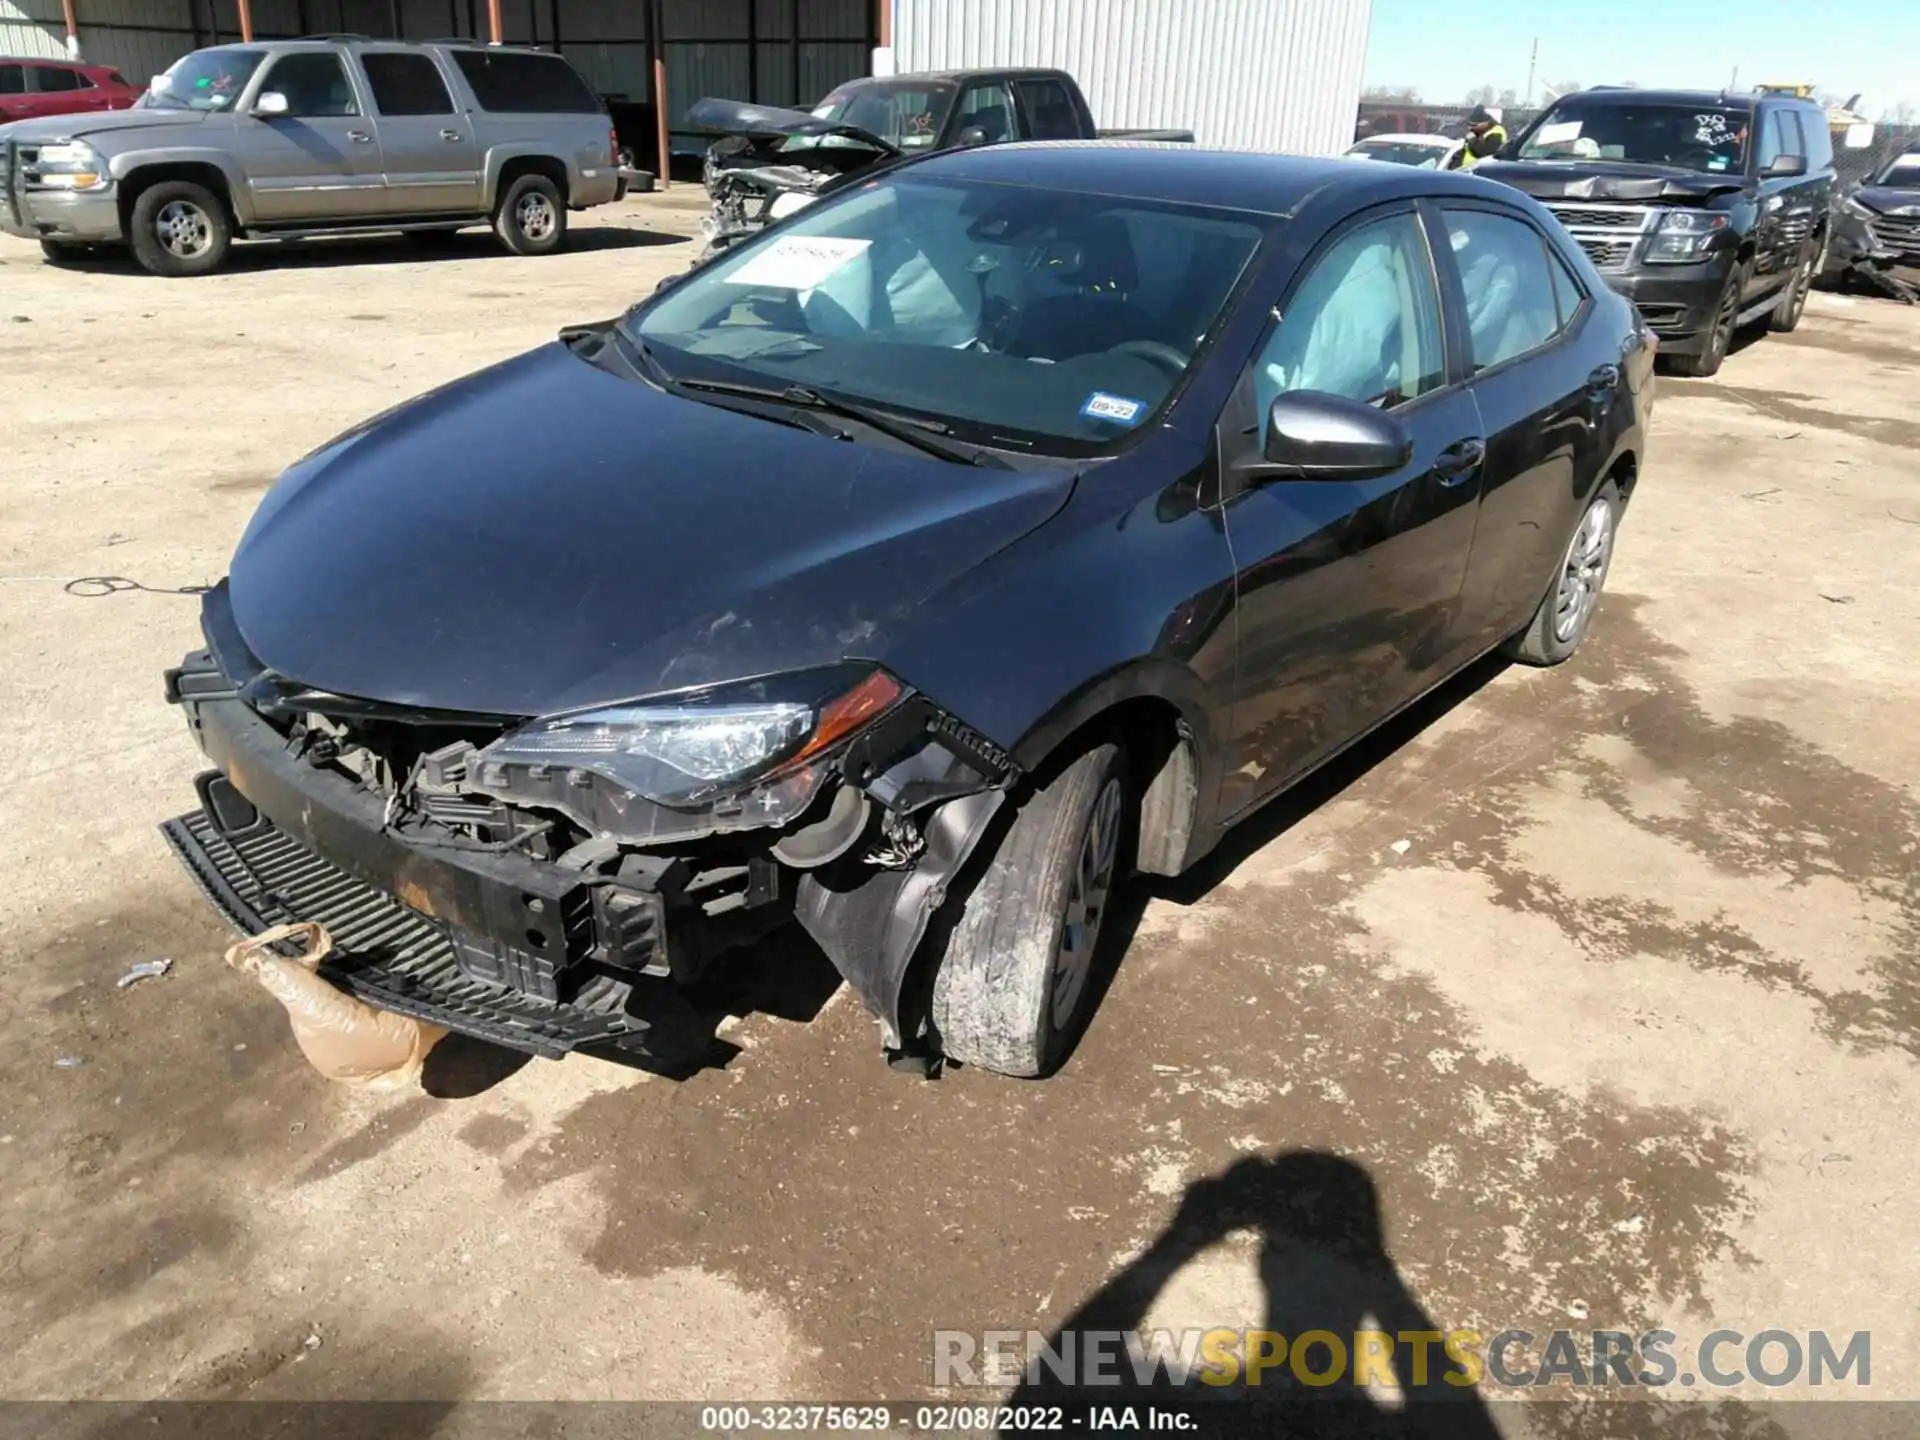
(1323, 1267)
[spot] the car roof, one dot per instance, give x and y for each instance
(948, 77)
(1606, 93)
(1247, 180)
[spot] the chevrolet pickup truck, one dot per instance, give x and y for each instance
(772, 162)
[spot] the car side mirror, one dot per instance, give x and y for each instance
(972, 135)
(160, 84)
(1315, 436)
(272, 102)
(1785, 167)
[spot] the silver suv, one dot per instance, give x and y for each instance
(326, 136)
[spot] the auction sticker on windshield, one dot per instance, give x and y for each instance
(798, 262)
(1558, 134)
(1102, 406)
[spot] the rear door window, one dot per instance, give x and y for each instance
(405, 83)
(13, 80)
(50, 79)
(1050, 111)
(1512, 302)
(520, 82)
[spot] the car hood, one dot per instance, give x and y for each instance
(104, 122)
(1606, 180)
(1887, 200)
(737, 117)
(545, 535)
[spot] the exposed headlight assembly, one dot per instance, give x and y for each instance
(1681, 236)
(68, 165)
(725, 758)
(1859, 211)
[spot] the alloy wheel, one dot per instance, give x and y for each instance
(1585, 568)
(1087, 891)
(534, 216)
(183, 229)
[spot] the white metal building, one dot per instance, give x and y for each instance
(1259, 74)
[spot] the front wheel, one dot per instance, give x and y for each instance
(1561, 622)
(1714, 348)
(1014, 978)
(179, 228)
(531, 218)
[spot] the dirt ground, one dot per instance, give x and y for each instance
(1601, 981)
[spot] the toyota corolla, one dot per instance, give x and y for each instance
(917, 571)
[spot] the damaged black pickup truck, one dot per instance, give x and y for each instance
(917, 571)
(770, 162)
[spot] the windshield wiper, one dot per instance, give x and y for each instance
(922, 435)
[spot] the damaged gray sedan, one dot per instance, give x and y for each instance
(915, 571)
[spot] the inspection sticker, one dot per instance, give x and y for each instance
(799, 262)
(1102, 406)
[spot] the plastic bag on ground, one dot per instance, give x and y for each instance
(344, 1038)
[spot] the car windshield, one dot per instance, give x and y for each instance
(205, 80)
(1401, 152)
(1692, 137)
(1902, 173)
(1016, 317)
(906, 116)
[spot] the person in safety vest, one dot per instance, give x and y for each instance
(1485, 136)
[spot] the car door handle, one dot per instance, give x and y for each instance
(1459, 462)
(450, 135)
(359, 137)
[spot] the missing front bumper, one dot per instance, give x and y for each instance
(392, 956)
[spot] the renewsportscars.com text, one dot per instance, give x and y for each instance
(1507, 1359)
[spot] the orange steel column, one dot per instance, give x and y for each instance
(493, 21)
(246, 21)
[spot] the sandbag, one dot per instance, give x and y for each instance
(344, 1038)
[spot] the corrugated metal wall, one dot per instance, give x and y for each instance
(780, 52)
(32, 27)
(1259, 74)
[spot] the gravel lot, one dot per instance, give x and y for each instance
(1625, 1032)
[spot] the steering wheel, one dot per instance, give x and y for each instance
(1155, 352)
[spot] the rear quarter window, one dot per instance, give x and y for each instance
(522, 83)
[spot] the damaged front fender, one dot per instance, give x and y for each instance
(870, 925)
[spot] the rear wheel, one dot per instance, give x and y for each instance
(1561, 622)
(1713, 349)
(179, 228)
(531, 218)
(1793, 301)
(1013, 982)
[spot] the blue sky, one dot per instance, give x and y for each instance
(1444, 50)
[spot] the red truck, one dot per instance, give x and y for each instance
(35, 87)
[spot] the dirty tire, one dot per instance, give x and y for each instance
(1555, 631)
(994, 991)
(1793, 300)
(531, 218)
(1707, 362)
(178, 228)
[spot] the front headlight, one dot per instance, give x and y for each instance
(69, 165)
(744, 752)
(1680, 236)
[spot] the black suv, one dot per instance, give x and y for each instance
(1706, 209)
